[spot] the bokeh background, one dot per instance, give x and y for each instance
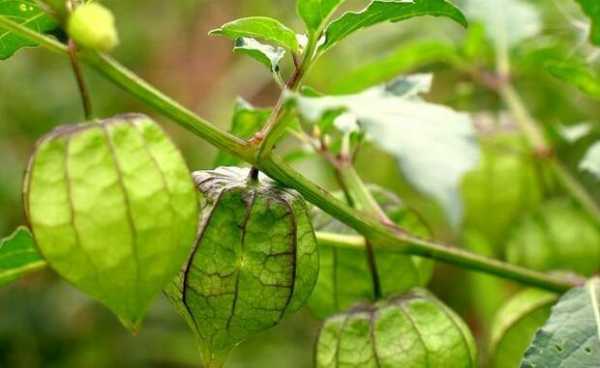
(46, 323)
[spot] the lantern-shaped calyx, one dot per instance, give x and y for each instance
(113, 210)
(412, 330)
(255, 260)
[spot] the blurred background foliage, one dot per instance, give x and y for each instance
(46, 323)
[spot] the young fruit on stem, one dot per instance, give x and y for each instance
(93, 26)
(255, 260)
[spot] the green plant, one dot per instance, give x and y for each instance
(112, 208)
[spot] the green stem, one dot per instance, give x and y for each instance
(381, 235)
(535, 135)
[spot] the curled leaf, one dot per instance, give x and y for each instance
(113, 210)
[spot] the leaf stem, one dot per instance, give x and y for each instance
(380, 234)
(534, 134)
(80, 79)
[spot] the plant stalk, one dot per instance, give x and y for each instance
(381, 235)
(80, 79)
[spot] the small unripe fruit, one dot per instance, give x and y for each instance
(255, 260)
(411, 330)
(93, 26)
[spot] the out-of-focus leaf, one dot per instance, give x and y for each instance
(515, 325)
(26, 13)
(246, 121)
(507, 22)
(592, 9)
(433, 144)
(406, 58)
(506, 180)
(265, 54)
(571, 337)
(556, 236)
(261, 28)
(578, 75)
(315, 12)
(18, 256)
(379, 11)
(591, 161)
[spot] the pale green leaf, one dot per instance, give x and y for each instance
(507, 22)
(592, 9)
(591, 160)
(380, 11)
(433, 144)
(571, 337)
(515, 325)
(316, 12)
(261, 28)
(407, 58)
(26, 13)
(578, 75)
(18, 256)
(245, 122)
(265, 54)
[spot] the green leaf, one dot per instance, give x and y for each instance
(26, 13)
(113, 209)
(556, 236)
(265, 54)
(578, 75)
(344, 276)
(407, 58)
(411, 330)
(507, 22)
(571, 337)
(592, 9)
(515, 325)
(18, 256)
(316, 12)
(255, 260)
(261, 28)
(433, 144)
(246, 121)
(591, 161)
(380, 11)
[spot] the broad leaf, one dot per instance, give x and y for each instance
(515, 325)
(265, 54)
(592, 9)
(316, 12)
(433, 144)
(591, 160)
(380, 11)
(28, 14)
(407, 58)
(18, 256)
(507, 22)
(571, 337)
(246, 121)
(261, 28)
(578, 75)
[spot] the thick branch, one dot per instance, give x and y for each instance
(380, 234)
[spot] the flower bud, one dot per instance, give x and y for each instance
(93, 26)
